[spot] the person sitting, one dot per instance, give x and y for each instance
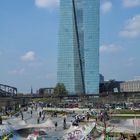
(122, 136)
(133, 137)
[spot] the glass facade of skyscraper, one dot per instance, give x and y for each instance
(78, 52)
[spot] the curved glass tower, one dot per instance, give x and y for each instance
(78, 51)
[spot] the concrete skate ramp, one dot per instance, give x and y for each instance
(128, 125)
(78, 132)
(127, 122)
(26, 130)
(21, 124)
(17, 123)
(48, 123)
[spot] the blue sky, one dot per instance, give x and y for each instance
(28, 41)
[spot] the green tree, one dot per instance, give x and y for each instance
(60, 90)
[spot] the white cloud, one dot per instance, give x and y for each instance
(28, 56)
(17, 72)
(132, 28)
(50, 4)
(106, 7)
(110, 48)
(131, 3)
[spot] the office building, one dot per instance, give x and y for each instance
(101, 78)
(78, 51)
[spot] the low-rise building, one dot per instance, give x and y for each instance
(111, 86)
(130, 86)
(46, 91)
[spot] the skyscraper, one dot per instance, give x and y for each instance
(78, 52)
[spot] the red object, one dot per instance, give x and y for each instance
(36, 133)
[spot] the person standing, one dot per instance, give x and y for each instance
(21, 115)
(0, 120)
(31, 113)
(103, 136)
(40, 114)
(64, 123)
(38, 120)
(55, 125)
(88, 116)
(43, 116)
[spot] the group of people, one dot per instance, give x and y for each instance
(41, 116)
(122, 137)
(64, 124)
(22, 116)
